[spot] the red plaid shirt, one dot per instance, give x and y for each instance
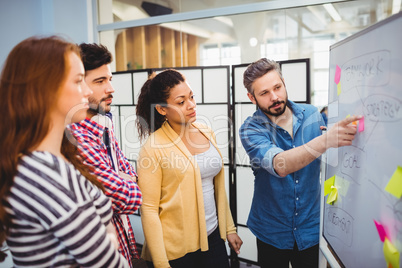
(125, 195)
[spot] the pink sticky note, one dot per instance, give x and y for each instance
(381, 230)
(337, 74)
(361, 124)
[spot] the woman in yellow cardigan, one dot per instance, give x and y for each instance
(185, 213)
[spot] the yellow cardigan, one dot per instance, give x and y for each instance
(172, 211)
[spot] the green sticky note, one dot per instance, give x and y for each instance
(339, 88)
(327, 185)
(333, 195)
(391, 254)
(394, 185)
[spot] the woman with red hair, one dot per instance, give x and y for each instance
(52, 211)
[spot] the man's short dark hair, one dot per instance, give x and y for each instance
(94, 56)
(257, 69)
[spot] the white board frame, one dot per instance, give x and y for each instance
(325, 247)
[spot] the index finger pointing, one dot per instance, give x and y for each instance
(350, 119)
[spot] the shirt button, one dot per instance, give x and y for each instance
(297, 198)
(297, 181)
(296, 213)
(286, 131)
(294, 146)
(295, 229)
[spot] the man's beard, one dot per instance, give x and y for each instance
(276, 112)
(96, 107)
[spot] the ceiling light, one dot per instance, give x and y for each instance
(253, 41)
(332, 11)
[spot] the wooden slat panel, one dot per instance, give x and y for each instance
(178, 49)
(153, 47)
(121, 55)
(136, 50)
(168, 48)
(185, 50)
(192, 44)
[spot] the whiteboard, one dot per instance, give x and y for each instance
(365, 78)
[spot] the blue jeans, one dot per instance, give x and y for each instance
(215, 257)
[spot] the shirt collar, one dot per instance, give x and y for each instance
(96, 124)
(103, 121)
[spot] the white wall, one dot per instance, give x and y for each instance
(20, 19)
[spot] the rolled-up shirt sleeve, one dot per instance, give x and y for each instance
(125, 195)
(259, 146)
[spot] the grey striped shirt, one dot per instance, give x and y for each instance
(58, 217)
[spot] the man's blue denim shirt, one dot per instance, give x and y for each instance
(283, 210)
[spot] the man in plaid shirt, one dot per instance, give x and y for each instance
(111, 168)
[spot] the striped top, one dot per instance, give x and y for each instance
(58, 217)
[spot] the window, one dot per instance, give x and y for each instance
(276, 51)
(220, 54)
(320, 70)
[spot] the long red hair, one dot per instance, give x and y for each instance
(29, 87)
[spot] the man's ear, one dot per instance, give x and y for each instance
(160, 109)
(251, 97)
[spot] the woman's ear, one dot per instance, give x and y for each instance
(160, 109)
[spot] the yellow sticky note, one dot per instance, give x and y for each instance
(333, 195)
(327, 185)
(391, 254)
(342, 185)
(347, 116)
(339, 88)
(394, 185)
